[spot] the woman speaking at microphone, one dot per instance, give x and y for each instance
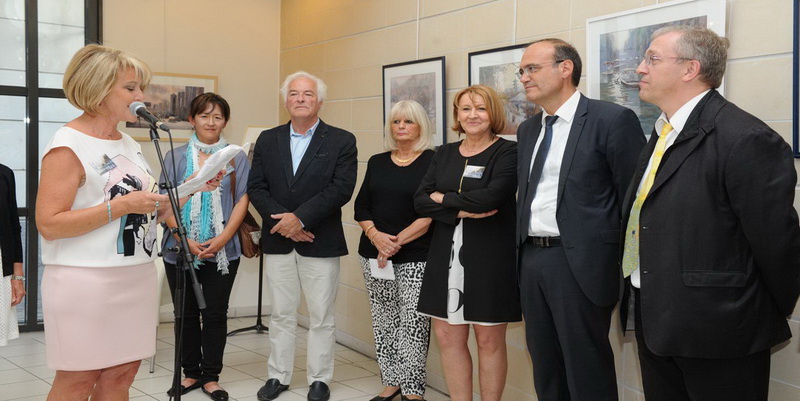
(96, 210)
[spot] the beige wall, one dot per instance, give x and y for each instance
(346, 42)
(237, 41)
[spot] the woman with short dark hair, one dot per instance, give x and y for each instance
(211, 221)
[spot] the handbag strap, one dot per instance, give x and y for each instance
(233, 182)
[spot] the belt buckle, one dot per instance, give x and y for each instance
(545, 242)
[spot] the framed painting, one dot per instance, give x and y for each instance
(497, 68)
(168, 97)
(422, 81)
(616, 44)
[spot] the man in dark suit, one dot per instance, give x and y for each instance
(712, 238)
(303, 173)
(575, 161)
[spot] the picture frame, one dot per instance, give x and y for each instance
(497, 68)
(168, 97)
(615, 45)
(422, 81)
(796, 83)
(251, 135)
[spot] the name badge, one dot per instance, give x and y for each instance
(474, 171)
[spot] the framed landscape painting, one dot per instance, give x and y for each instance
(616, 44)
(168, 97)
(497, 68)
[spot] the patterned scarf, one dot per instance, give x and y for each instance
(197, 213)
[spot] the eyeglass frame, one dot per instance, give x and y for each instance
(649, 59)
(534, 68)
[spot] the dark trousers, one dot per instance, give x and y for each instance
(567, 334)
(668, 378)
(203, 345)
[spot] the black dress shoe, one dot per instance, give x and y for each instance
(387, 398)
(185, 390)
(318, 391)
(217, 395)
(271, 390)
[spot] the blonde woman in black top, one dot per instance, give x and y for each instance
(395, 234)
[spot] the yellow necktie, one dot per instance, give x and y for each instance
(630, 258)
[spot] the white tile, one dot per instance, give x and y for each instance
(349, 372)
(42, 371)
(25, 361)
(242, 357)
(153, 385)
(31, 348)
(16, 376)
(23, 389)
(369, 385)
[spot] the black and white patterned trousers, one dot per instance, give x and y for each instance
(401, 333)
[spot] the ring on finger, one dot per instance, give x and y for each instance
(157, 204)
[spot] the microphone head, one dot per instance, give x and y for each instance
(136, 106)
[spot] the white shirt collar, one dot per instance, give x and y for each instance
(567, 110)
(678, 120)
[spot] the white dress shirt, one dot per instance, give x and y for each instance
(543, 208)
(678, 121)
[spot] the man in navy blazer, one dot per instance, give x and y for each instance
(303, 173)
(574, 163)
(715, 255)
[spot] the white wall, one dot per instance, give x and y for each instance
(239, 42)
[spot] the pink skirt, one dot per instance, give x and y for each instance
(99, 317)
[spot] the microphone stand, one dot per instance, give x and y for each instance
(259, 326)
(185, 262)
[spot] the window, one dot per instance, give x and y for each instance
(37, 40)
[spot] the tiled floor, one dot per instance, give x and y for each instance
(24, 374)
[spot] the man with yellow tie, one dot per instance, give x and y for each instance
(712, 244)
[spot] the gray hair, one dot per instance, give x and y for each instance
(703, 45)
(413, 111)
(322, 89)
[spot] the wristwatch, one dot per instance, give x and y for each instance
(20, 278)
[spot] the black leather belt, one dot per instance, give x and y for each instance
(544, 242)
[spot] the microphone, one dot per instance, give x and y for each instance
(139, 109)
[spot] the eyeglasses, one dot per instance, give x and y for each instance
(534, 68)
(651, 59)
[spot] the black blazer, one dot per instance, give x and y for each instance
(719, 240)
(599, 160)
(487, 251)
(10, 230)
(324, 182)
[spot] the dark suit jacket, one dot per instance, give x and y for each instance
(324, 182)
(599, 160)
(10, 230)
(719, 237)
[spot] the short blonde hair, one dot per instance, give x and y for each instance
(413, 111)
(93, 71)
(494, 106)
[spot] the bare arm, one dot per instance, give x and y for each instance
(415, 230)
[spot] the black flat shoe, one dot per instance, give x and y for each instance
(271, 390)
(217, 395)
(184, 389)
(387, 398)
(404, 398)
(318, 391)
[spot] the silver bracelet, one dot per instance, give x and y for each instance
(20, 278)
(108, 207)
